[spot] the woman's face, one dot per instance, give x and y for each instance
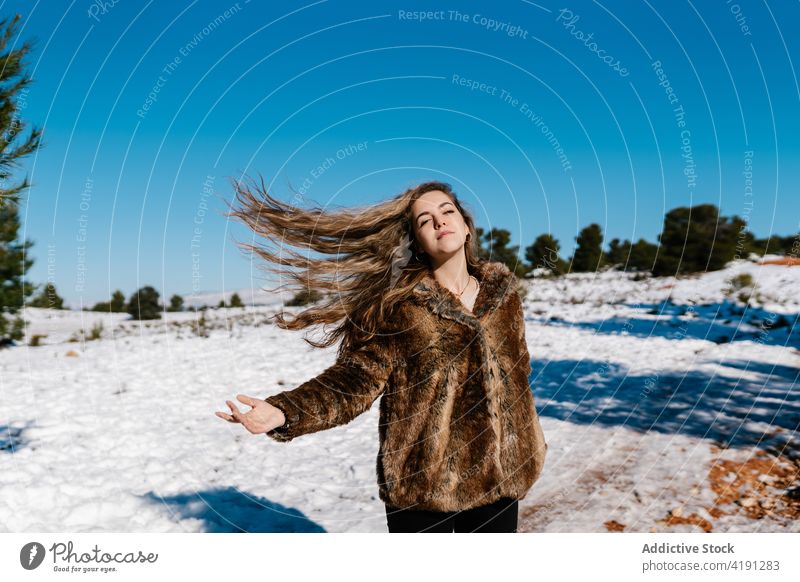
(438, 225)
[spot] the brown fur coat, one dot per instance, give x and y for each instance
(458, 426)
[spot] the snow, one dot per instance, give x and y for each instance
(644, 385)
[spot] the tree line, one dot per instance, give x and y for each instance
(693, 239)
(142, 304)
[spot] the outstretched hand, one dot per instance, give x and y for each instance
(261, 418)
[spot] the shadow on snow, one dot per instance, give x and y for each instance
(762, 410)
(12, 438)
(229, 510)
(719, 322)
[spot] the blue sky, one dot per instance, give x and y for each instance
(543, 116)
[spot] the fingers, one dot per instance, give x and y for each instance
(224, 416)
(235, 412)
(244, 418)
(236, 415)
(246, 399)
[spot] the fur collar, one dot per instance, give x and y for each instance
(496, 281)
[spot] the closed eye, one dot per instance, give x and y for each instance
(424, 222)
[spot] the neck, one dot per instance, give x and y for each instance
(453, 273)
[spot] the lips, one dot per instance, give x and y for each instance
(444, 234)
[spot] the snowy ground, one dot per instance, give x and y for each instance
(667, 405)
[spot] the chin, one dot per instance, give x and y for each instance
(450, 240)
(448, 250)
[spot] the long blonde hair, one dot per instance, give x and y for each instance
(374, 258)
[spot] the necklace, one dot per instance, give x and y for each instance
(467, 285)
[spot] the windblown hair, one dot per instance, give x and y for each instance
(373, 258)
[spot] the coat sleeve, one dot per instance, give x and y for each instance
(340, 393)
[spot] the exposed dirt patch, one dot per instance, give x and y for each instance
(763, 485)
(676, 517)
(788, 261)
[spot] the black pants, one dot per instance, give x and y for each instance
(497, 517)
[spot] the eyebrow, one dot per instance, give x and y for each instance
(426, 212)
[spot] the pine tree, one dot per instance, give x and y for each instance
(544, 254)
(175, 303)
(48, 298)
(236, 301)
(14, 260)
(639, 256)
(776, 245)
(618, 253)
(144, 304)
(103, 306)
(14, 263)
(696, 239)
(498, 240)
(117, 302)
(643, 256)
(589, 252)
(481, 252)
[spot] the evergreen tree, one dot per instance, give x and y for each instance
(643, 256)
(696, 239)
(482, 253)
(14, 260)
(736, 240)
(776, 245)
(544, 253)
(618, 253)
(236, 301)
(143, 304)
(14, 263)
(589, 252)
(48, 298)
(639, 256)
(791, 245)
(745, 242)
(117, 304)
(175, 303)
(498, 240)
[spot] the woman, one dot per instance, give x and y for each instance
(435, 331)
